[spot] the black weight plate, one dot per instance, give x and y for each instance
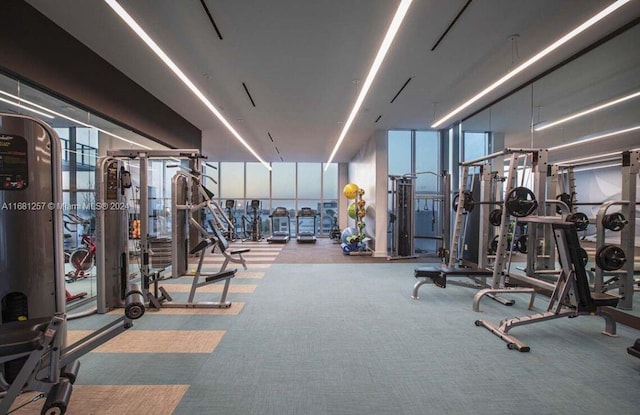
(580, 220)
(610, 257)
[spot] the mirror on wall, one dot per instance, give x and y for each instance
(606, 76)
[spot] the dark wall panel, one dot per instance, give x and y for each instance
(35, 49)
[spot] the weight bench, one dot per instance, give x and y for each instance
(438, 276)
(35, 358)
(571, 296)
(164, 299)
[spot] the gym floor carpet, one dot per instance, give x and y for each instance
(328, 334)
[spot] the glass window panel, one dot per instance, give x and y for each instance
(399, 152)
(474, 145)
(330, 181)
(328, 216)
(283, 181)
(232, 180)
(257, 181)
(427, 160)
(211, 173)
(309, 180)
(85, 180)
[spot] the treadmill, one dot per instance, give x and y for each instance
(307, 215)
(279, 215)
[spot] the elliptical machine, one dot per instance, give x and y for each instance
(253, 224)
(230, 208)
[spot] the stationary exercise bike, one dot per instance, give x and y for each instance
(82, 258)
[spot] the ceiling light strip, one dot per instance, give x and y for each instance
(597, 137)
(377, 62)
(587, 111)
(564, 39)
(26, 108)
(74, 120)
(178, 72)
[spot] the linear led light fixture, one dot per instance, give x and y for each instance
(384, 48)
(594, 138)
(178, 72)
(26, 108)
(66, 117)
(564, 39)
(602, 166)
(596, 158)
(587, 111)
(589, 158)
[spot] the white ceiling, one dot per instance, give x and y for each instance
(301, 59)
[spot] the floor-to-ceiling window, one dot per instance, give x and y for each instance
(289, 185)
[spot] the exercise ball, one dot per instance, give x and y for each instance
(352, 210)
(350, 191)
(346, 233)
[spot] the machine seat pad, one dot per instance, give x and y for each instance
(635, 349)
(221, 276)
(240, 251)
(203, 244)
(21, 336)
(604, 300)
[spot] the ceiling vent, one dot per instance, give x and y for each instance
(213, 22)
(455, 19)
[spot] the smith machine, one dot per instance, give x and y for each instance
(511, 200)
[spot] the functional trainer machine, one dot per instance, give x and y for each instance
(402, 226)
(189, 197)
(571, 296)
(306, 214)
(34, 353)
(279, 215)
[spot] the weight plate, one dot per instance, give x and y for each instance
(610, 257)
(495, 217)
(614, 221)
(580, 220)
(567, 199)
(520, 202)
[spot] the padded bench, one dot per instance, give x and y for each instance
(439, 274)
(18, 337)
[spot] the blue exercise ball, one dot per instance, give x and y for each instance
(347, 232)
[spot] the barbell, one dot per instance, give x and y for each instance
(519, 202)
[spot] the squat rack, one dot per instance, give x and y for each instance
(630, 167)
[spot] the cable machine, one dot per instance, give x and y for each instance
(402, 217)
